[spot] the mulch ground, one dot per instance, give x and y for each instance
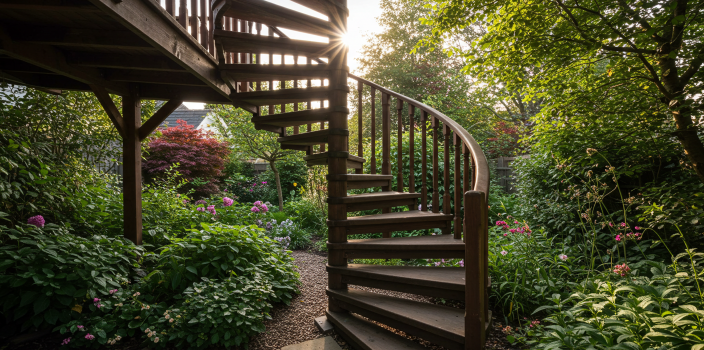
(292, 324)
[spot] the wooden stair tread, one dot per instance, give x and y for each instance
(443, 321)
(245, 42)
(283, 96)
(392, 218)
(433, 277)
(275, 15)
(311, 138)
(294, 118)
(372, 197)
(367, 335)
(353, 162)
(265, 72)
(436, 242)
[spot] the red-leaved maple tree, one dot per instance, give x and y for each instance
(198, 153)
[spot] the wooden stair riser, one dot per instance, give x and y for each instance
(311, 138)
(381, 205)
(354, 230)
(367, 184)
(417, 254)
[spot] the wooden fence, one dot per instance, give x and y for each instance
(504, 172)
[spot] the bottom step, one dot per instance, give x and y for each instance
(368, 336)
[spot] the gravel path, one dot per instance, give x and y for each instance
(293, 324)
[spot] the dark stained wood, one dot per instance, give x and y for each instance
(132, 166)
(294, 118)
(152, 123)
(278, 16)
(360, 121)
(110, 109)
(417, 243)
(78, 38)
(356, 181)
(353, 162)
(312, 138)
(366, 335)
(153, 77)
(50, 5)
(371, 197)
(446, 197)
(475, 213)
(387, 229)
(440, 324)
(246, 72)
(266, 97)
(436, 166)
(458, 187)
(204, 35)
(399, 151)
(157, 27)
(367, 184)
(373, 132)
(385, 134)
(170, 6)
(411, 149)
(123, 61)
(183, 13)
(424, 160)
(391, 218)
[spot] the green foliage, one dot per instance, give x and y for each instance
(660, 310)
(218, 251)
(47, 273)
(291, 170)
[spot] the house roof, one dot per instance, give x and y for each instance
(192, 117)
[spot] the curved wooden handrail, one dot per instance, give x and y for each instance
(481, 173)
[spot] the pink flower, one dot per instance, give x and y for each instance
(623, 224)
(80, 327)
(263, 182)
(96, 300)
(227, 201)
(185, 201)
(622, 270)
(265, 208)
(200, 209)
(513, 230)
(562, 257)
(503, 252)
(66, 341)
(36, 220)
(515, 222)
(618, 237)
(90, 336)
(638, 228)
(113, 291)
(255, 210)
(461, 263)
(505, 234)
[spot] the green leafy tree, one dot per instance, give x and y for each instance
(235, 125)
(617, 58)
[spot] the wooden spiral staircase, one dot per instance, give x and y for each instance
(304, 97)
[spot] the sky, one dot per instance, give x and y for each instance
(362, 20)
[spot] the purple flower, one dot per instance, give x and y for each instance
(211, 209)
(263, 182)
(90, 336)
(269, 226)
(185, 201)
(37, 221)
(200, 209)
(461, 263)
(80, 327)
(66, 341)
(112, 291)
(265, 208)
(251, 190)
(226, 190)
(255, 210)
(227, 202)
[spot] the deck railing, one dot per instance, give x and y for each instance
(468, 173)
(196, 16)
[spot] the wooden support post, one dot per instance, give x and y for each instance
(446, 197)
(132, 165)
(385, 134)
(475, 237)
(337, 143)
(399, 145)
(360, 124)
(424, 161)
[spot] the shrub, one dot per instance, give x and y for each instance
(254, 189)
(200, 157)
(47, 275)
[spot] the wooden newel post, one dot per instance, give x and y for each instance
(475, 237)
(132, 166)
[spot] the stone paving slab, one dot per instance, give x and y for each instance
(327, 343)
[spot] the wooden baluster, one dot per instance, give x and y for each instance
(360, 124)
(385, 134)
(211, 32)
(411, 151)
(436, 165)
(322, 124)
(183, 13)
(194, 19)
(458, 186)
(309, 104)
(465, 173)
(399, 150)
(373, 132)
(474, 173)
(446, 197)
(171, 7)
(475, 238)
(424, 160)
(204, 35)
(295, 86)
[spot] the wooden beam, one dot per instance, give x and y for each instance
(150, 125)
(49, 5)
(132, 166)
(143, 76)
(51, 59)
(151, 22)
(118, 61)
(110, 39)
(110, 108)
(186, 93)
(45, 81)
